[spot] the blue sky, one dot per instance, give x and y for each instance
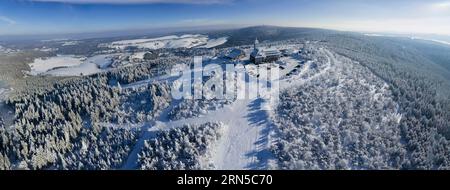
(78, 16)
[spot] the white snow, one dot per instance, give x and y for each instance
(6, 50)
(102, 61)
(249, 132)
(187, 41)
(2, 93)
(375, 35)
(215, 42)
(184, 41)
(42, 65)
(55, 40)
(70, 43)
(138, 55)
(412, 38)
(245, 142)
(433, 40)
(69, 65)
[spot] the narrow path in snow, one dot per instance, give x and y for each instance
(131, 162)
(149, 131)
(245, 142)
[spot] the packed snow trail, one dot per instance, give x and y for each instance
(247, 137)
(149, 131)
(232, 151)
(238, 147)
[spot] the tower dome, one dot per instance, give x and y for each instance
(255, 45)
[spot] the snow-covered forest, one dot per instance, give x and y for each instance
(185, 148)
(420, 87)
(348, 101)
(64, 125)
(344, 119)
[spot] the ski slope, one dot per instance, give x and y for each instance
(248, 136)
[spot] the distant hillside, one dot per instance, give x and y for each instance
(422, 54)
(245, 36)
(417, 71)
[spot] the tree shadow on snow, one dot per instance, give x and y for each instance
(259, 118)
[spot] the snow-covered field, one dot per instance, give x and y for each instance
(43, 65)
(70, 43)
(184, 41)
(215, 42)
(69, 65)
(8, 51)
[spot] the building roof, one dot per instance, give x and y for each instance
(260, 52)
(271, 52)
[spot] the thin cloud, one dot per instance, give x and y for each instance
(136, 1)
(442, 5)
(7, 20)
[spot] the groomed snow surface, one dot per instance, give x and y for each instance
(42, 65)
(69, 65)
(215, 42)
(249, 132)
(184, 41)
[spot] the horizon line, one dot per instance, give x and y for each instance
(176, 29)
